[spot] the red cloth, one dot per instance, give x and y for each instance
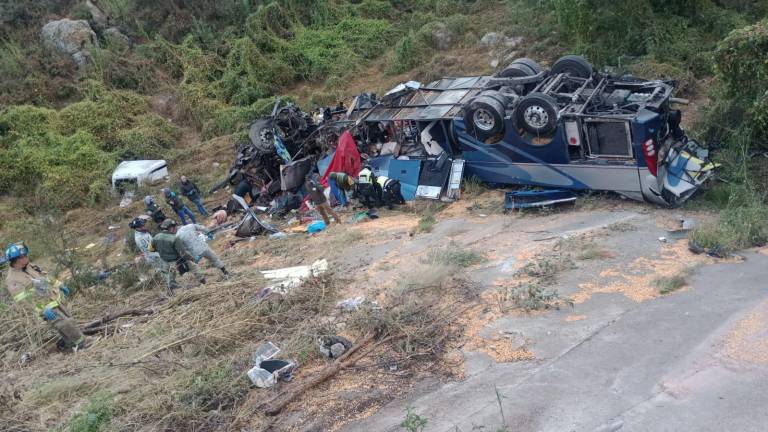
(346, 159)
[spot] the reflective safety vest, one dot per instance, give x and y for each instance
(33, 286)
(365, 176)
(382, 181)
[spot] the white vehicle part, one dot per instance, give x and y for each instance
(683, 172)
(139, 172)
(429, 143)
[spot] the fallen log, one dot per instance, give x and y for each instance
(277, 404)
(113, 316)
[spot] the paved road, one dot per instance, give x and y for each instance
(696, 360)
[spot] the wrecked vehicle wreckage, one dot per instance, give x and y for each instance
(568, 127)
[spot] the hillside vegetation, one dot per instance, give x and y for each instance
(63, 128)
(184, 85)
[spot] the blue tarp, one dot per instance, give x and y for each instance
(407, 172)
(324, 163)
(380, 165)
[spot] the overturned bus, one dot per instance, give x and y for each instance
(566, 127)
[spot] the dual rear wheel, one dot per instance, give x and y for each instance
(536, 113)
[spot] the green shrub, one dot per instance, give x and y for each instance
(197, 104)
(61, 170)
(102, 117)
(23, 120)
(367, 37)
(444, 8)
(149, 138)
(94, 417)
(407, 54)
(670, 284)
(249, 75)
(322, 53)
(741, 224)
(740, 60)
(376, 9)
(11, 60)
(457, 23)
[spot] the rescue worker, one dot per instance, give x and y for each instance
(193, 237)
(340, 183)
(182, 211)
(190, 190)
(153, 210)
(368, 189)
(143, 240)
(27, 283)
(390, 191)
(316, 193)
(174, 256)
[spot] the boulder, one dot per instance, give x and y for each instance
(492, 39)
(442, 37)
(498, 40)
(70, 37)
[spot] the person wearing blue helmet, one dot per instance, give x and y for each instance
(29, 285)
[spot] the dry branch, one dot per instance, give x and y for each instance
(113, 316)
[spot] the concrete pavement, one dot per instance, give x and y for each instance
(695, 360)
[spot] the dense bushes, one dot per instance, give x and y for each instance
(739, 105)
(737, 121)
(681, 33)
(63, 158)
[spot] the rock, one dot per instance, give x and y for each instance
(512, 42)
(116, 38)
(70, 37)
(491, 39)
(337, 350)
(442, 37)
(98, 17)
(494, 63)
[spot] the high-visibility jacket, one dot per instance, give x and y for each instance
(31, 285)
(384, 182)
